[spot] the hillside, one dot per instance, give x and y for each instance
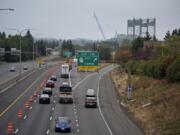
(155, 104)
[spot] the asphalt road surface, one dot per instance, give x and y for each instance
(39, 119)
(5, 73)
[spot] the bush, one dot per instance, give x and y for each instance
(140, 67)
(133, 66)
(173, 71)
(160, 68)
(152, 68)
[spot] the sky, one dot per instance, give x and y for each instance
(71, 19)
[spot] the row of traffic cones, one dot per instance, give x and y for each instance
(10, 125)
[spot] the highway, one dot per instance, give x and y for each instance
(5, 73)
(39, 119)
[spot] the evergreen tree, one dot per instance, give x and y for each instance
(137, 46)
(147, 37)
(179, 31)
(167, 36)
(175, 32)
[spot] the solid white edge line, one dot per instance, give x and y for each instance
(99, 108)
(70, 78)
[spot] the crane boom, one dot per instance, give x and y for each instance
(99, 26)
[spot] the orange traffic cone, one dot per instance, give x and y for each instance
(31, 99)
(20, 114)
(27, 104)
(10, 128)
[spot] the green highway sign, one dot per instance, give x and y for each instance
(88, 58)
(67, 53)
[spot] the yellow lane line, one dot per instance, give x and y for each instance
(22, 94)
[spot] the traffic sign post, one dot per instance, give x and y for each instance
(67, 53)
(88, 60)
(129, 91)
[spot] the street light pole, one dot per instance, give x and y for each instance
(20, 61)
(33, 54)
(20, 49)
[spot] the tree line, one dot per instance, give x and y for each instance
(27, 43)
(150, 57)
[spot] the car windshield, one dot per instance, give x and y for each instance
(63, 120)
(65, 89)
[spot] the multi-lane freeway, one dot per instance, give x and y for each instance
(39, 119)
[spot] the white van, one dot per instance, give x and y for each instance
(65, 71)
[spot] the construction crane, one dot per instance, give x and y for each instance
(99, 26)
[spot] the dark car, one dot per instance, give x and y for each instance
(53, 78)
(65, 88)
(50, 84)
(91, 102)
(44, 99)
(63, 124)
(47, 90)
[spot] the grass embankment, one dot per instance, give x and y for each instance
(156, 104)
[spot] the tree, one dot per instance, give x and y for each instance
(67, 46)
(167, 36)
(179, 31)
(137, 46)
(123, 54)
(104, 53)
(175, 32)
(147, 37)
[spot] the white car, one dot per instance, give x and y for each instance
(53, 78)
(25, 68)
(12, 69)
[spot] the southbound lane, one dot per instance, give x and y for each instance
(117, 119)
(108, 118)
